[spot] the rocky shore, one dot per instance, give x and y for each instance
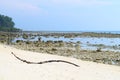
(99, 56)
(62, 48)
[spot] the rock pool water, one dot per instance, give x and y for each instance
(89, 43)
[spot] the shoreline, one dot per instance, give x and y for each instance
(98, 56)
(63, 48)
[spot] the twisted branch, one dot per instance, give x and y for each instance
(42, 62)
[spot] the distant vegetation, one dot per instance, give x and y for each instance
(6, 24)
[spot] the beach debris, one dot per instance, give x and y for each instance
(42, 62)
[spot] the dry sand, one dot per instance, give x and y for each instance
(13, 69)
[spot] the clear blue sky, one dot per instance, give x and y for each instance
(63, 15)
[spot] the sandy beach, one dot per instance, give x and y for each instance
(13, 69)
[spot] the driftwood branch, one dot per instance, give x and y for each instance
(42, 62)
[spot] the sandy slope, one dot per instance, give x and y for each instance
(13, 69)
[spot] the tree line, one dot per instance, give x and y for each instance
(6, 24)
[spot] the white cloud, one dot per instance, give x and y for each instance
(81, 2)
(69, 2)
(38, 7)
(34, 5)
(20, 6)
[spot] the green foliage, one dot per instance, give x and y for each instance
(6, 24)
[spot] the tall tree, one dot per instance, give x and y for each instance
(6, 24)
